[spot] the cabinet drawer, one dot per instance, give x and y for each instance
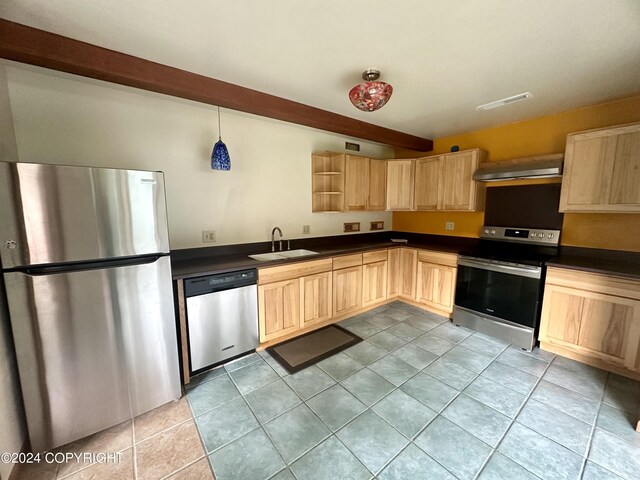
(440, 258)
(377, 256)
(347, 261)
(593, 282)
(293, 270)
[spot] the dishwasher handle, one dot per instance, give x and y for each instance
(219, 282)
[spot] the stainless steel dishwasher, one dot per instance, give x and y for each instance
(222, 317)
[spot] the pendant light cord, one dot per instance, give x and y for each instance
(219, 129)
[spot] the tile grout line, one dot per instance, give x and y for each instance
(513, 420)
(593, 427)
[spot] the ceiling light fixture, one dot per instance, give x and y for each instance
(505, 101)
(220, 159)
(370, 95)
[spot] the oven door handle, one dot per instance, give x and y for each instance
(521, 271)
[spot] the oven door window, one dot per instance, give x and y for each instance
(502, 295)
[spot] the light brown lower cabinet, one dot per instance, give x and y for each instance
(393, 272)
(316, 295)
(592, 318)
(374, 283)
(408, 269)
(278, 309)
(436, 280)
(436, 286)
(298, 297)
(347, 290)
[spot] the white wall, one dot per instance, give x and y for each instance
(12, 428)
(60, 118)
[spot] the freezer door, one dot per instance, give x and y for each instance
(59, 214)
(94, 347)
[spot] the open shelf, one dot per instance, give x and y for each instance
(328, 182)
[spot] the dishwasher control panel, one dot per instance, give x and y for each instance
(218, 282)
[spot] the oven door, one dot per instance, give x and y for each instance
(506, 291)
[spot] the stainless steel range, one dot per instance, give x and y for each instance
(500, 283)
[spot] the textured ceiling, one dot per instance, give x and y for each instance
(443, 57)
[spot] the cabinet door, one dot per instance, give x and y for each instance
(602, 171)
(459, 189)
(393, 272)
(601, 326)
(377, 184)
(347, 290)
(428, 183)
(278, 309)
(374, 283)
(315, 298)
(400, 184)
(408, 267)
(436, 285)
(356, 183)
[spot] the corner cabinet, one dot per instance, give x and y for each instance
(445, 182)
(436, 280)
(400, 184)
(592, 318)
(602, 171)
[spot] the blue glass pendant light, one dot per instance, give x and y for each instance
(220, 155)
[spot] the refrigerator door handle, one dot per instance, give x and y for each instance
(84, 266)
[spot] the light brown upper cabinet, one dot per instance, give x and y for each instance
(400, 184)
(602, 171)
(347, 182)
(377, 184)
(444, 182)
(356, 183)
(428, 188)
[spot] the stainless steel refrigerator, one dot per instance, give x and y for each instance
(85, 259)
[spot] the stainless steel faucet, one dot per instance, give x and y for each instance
(273, 238)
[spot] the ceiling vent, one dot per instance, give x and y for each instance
(542, 166)
(505, 101)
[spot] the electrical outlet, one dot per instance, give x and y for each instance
(351, 227)
(306, 229)
(377, 225)
(208, 236)
(449, 226)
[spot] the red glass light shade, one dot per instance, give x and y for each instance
(370, 96)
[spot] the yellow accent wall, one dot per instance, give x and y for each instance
(538, 136)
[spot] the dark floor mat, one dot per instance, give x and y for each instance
(306, 350)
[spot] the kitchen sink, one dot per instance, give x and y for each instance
(297, 253)
(268, 257)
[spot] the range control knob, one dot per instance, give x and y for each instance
(533, 234)
(493, 232)
(549, 236)
(486, 231)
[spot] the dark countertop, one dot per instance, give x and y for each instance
(196, 262)
(211, 260)
(609, 262)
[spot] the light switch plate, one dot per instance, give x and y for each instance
(306, 229)
(449, 226)
(351, 227)
(208, 236)
(377, 225)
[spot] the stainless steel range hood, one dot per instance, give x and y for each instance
(542, 166)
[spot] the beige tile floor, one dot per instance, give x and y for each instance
(161, 444)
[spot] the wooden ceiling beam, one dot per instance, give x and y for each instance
(30, 45)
